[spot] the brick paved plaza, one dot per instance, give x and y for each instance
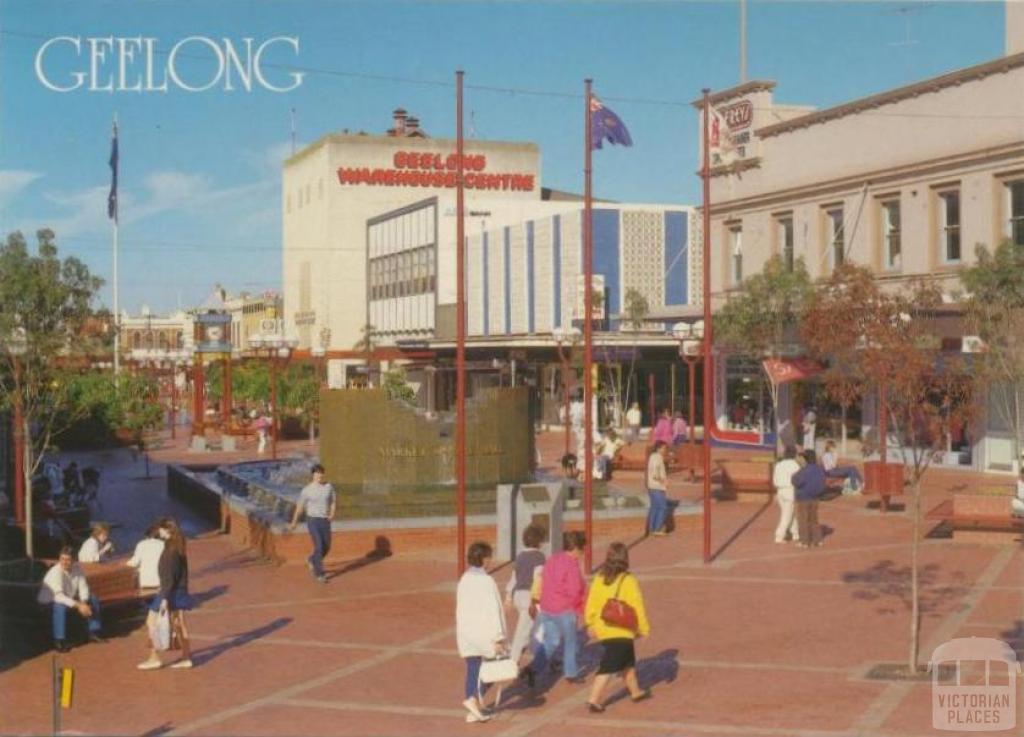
(768, 640)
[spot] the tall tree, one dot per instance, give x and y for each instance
(762, 319)
(995, 311)
(882, 343)
(45, 335)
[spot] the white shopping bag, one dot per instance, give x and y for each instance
(160, 631)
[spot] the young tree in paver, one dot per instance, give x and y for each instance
(761, 320)
(300, 393)
(995, 312)
(45, 336)
(635, 310)
(882, 343)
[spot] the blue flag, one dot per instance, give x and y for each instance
(605, 124)
(112, 197)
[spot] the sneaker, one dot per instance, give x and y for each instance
(181, 664)
(61, 646)
(150, 665)
(474, 710)
(473, 719)
(659, 533)
(96, 638)
(780, 542)
(321, 578)
(594, 708)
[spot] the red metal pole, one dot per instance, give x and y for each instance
(708, 338)
(460, 332)
(19, 450)
(174, 399)
(691, 374)
(588, 335)
(565, 395)
(651, 404)
(273, 408)
(198, 398)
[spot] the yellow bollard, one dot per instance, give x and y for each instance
(66, 681)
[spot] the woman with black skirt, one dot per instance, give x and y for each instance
(174, 597)
(614, 581)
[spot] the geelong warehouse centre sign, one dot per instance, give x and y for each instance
(415, 169)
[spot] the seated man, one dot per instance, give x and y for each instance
(97, 546)
(835, 471)
(1017, 504)
(604, 454)
(61, 585)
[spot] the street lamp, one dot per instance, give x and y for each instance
(273, 348)
(16, 346)
(566, 338)
(690, 337)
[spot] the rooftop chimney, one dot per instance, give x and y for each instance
(412, 126)
(400, 117)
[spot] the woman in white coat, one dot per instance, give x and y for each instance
(785, 495)
(479, 624)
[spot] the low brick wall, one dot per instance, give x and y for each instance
(985, 505)
(183, 486)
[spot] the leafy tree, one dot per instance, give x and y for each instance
(762, 320)
(367, 343)
(395, 386)
(882, 343)
(45, 314)
(300, 393)
(636, 308)
(995, 311)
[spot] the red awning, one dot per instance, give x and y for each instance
(784, 370)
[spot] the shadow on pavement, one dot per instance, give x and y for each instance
(204, 656)
(660, 668)
(204, 596)
(381, 551)
(889, 585)
(742, 528)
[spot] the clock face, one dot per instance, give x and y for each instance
(214, 333)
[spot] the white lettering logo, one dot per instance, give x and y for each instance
(974, 685)
(138, 64)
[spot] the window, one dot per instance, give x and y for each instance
(891, 234)
(785, 236)
(836, 246)
(1015, 209)
(736, 253)
(949, 226)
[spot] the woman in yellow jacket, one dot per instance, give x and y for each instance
(614, 581)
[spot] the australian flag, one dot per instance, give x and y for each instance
(606, 125)
(112, 197)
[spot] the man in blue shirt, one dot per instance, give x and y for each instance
(809, 483)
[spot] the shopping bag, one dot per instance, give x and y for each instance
(160, 631)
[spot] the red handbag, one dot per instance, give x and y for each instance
(617, 613)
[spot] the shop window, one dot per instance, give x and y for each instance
(836, 246)
(1015, 211)
(891, 245)
(785, 241)
(736, 254)
(949, 226)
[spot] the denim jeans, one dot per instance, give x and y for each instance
(658, 510)
(59, 618)
(320, 531)
(473, 685)
(557, 628)
(847, 472)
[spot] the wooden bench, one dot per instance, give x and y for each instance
(633, 457)
(977, 526)
(746, 480)
(113, 583)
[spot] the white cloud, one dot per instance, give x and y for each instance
(13, 182)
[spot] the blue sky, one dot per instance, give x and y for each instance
(200, 172)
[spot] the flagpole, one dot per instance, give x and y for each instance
(117, 303)
(460, 331)
(708, 385)
(588, 334)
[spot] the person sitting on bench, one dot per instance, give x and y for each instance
(835, 471)
(97, 546)
(1017, 503)
(61, 585)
